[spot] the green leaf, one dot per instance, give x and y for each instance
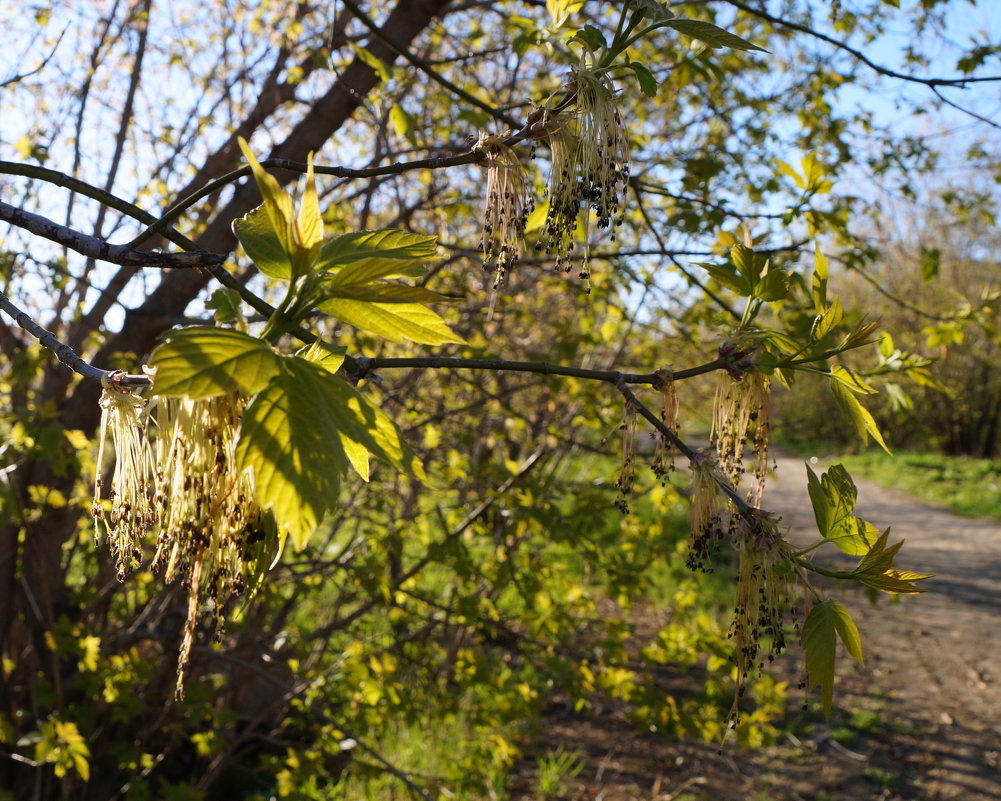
(291, 442)
(381, 68)
(225, 303)
(330, 357)
(364, 256)
(277, 203)
(851, 380)
(645, 78)
(711, 35)
(561, 10)
(300, 434)
(857, 413)
(931, 262)
(652, 9)
(201, 362)
(258, 237)
(788, 169)
(875, 569)
(726, 275)
(394, 321)
(309, 224)
(826, 622)
(403, 122)
(773, 286)
(592, 37)
(828, 321)
(749, 264)
(819, 277)
(833, 497)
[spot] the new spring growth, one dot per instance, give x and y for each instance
(663, 458)
(741, 409)
(711, 517)
(209, 520)
(765, 564)
(131, 513)
(509, 201)
(590, 164)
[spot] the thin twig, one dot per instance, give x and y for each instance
(423, 66)
(21, 76)
(932, 83)
(65, 353)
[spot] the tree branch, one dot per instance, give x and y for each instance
(99, 249)
(65, 353)
(858, 54)
(367, 365)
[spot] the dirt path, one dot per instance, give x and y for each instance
(920, 722)
(936, 656)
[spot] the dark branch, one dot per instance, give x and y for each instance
(99, 249)
(65, 353)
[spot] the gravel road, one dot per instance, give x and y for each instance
(935, 656)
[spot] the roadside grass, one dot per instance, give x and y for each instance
(969, 487)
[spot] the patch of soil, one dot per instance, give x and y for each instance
(921, 721)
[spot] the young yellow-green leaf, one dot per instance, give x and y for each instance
(403, 122)
(726, 275)
(711, 35)
(358, 420)
(300, 434)
(875, 569)
(561, 10)
(330, 357)
(277, 202)
(363, 256)
(773, 286)
(857, 413)
(202, 362)
(819, 276)
(748, 262)
(833, 497)
(258, 237)
(826, 622)
(291, 442)
(383, 69)
(309, 224)
(851, 380)
(827, 321)
(394, 321)
(788, 169)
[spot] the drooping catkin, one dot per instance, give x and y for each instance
(132, 483)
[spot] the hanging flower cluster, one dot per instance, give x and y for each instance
(711, 517)
(210, 528)
(741, 409)
(509, 201)
(131, 513)
(209, 520)
(589, 169)
(627, 473)
(765, 562)
(664, 451)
